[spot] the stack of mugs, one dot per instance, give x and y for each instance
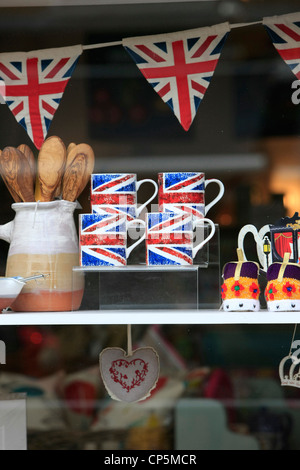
(169, 232)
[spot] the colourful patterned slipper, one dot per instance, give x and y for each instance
(282, 292)
(240, 290)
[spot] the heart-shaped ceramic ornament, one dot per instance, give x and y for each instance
(129, 378)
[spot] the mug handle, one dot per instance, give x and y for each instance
(258, 237)
(249, 228)
(218, 197)
(134, 245)
(212, 232)
(138, 185)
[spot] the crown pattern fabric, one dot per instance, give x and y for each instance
(283, 286)
(240, 290)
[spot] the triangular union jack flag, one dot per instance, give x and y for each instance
(180, 65)
(33, 83)
(284, 32)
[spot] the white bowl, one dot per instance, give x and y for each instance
(10, 288)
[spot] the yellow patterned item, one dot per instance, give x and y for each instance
(240, 289)
(283, 286)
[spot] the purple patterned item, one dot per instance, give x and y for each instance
(240, 290)
(282, 292)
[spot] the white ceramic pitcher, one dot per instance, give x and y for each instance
(43, 240)
(259, 237)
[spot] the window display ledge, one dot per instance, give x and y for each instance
(149, 317)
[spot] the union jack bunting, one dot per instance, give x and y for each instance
(169, 239)
(34, 84)
(182, 192)
(180, 65)
(284, 32)
(114, 193)
(102, 240)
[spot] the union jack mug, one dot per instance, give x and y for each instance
(185, 192)
(170, 238)
(103, 239)
(116, 193)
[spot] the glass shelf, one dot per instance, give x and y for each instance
(139, 267)
(138, 286)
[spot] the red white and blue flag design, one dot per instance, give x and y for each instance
(169, 239)
(114, 193)
(102, 240)
(180, 65)
(33, 84)
(182, 192)
(284, 32)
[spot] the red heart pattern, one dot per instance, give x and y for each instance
(129, 378)
(129, 374)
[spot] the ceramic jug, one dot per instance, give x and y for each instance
(43, 240)
(260, 237)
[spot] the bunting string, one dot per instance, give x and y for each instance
(119, 43)
(179, 66)
(104, 44)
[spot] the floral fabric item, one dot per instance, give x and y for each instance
(240, 290)
(244, 288)
(288, 289)
(282, 291)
